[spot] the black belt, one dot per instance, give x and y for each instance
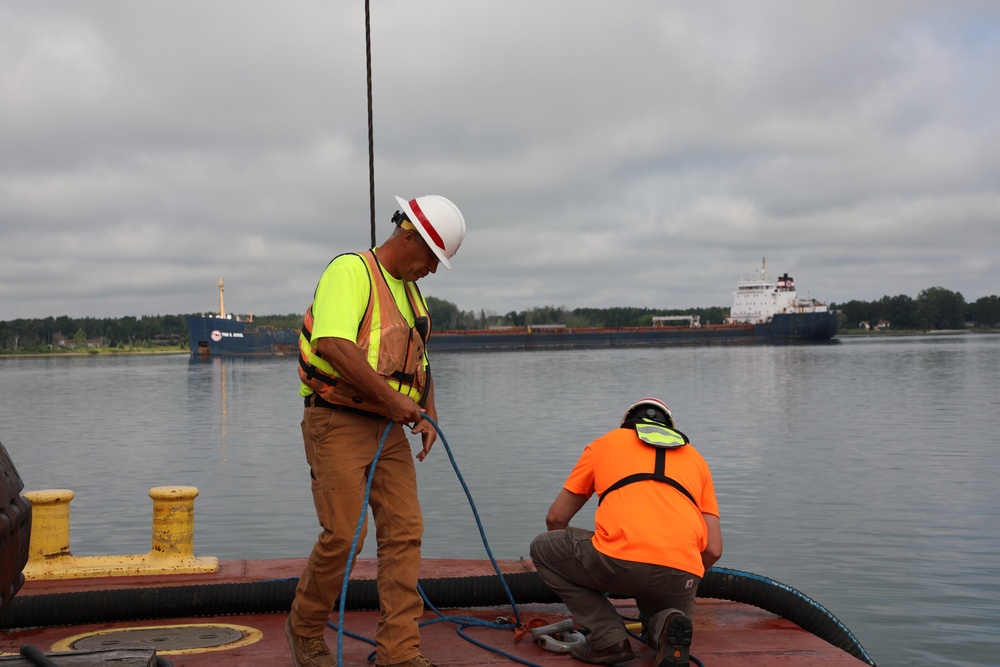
(316, 401)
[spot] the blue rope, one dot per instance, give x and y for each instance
(354, 545)
(475, 513)
(471, 621)
(464, 622)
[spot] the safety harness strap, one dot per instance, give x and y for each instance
(405, 378)
(658, 475)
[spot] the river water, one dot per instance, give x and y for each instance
(861, 472)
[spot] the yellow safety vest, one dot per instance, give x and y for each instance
(393, 348)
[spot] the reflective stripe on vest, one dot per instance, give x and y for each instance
(400, 361)
(660, 436)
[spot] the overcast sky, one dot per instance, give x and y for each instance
(642, 153)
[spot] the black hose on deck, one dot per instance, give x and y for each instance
(260, 597)
(35, 656)
(785, 601)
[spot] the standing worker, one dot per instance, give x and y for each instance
(656, 532)
(362, 364)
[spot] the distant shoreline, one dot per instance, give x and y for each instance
(854, 333)
(101, 353)
(933, 332)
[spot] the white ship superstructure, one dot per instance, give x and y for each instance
(757, 301)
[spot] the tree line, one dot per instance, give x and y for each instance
(934, 308)
(447, 316)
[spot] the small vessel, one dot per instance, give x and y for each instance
(762, 312)
(231, 335)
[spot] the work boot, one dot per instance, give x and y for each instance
(609, 655)
(308, 651)
(674, 643)
(416, 661)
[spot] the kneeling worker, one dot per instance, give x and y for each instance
(656, 532)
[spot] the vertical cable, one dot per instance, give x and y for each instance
(371, 131)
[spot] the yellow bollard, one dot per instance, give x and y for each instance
(173, 521)
(49, 524)
(172, 549)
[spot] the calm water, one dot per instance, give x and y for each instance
(864, 472)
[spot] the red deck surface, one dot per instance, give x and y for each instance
(726, 634)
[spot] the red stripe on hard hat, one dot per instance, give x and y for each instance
(428, 227)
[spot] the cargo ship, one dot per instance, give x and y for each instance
(234, 336)
(762, 312)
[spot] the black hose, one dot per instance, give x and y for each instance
(275, 596)
(785, 601)
(35, 656)
(127, 604)
(261, 597)
(39, 659)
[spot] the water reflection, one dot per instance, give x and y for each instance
(209, 379)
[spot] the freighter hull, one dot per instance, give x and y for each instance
(216, 336)
(556, 339)
(791, 327)
(799, 327)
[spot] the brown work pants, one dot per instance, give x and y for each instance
(340, 447)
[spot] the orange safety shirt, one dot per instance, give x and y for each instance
(647, 521)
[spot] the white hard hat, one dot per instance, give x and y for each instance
(439, 222)
(652, 406)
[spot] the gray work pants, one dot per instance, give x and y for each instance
(578, 573)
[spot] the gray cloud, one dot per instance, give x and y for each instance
(644, 154)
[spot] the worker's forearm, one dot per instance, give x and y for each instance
(347, 359)
(349, 362)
